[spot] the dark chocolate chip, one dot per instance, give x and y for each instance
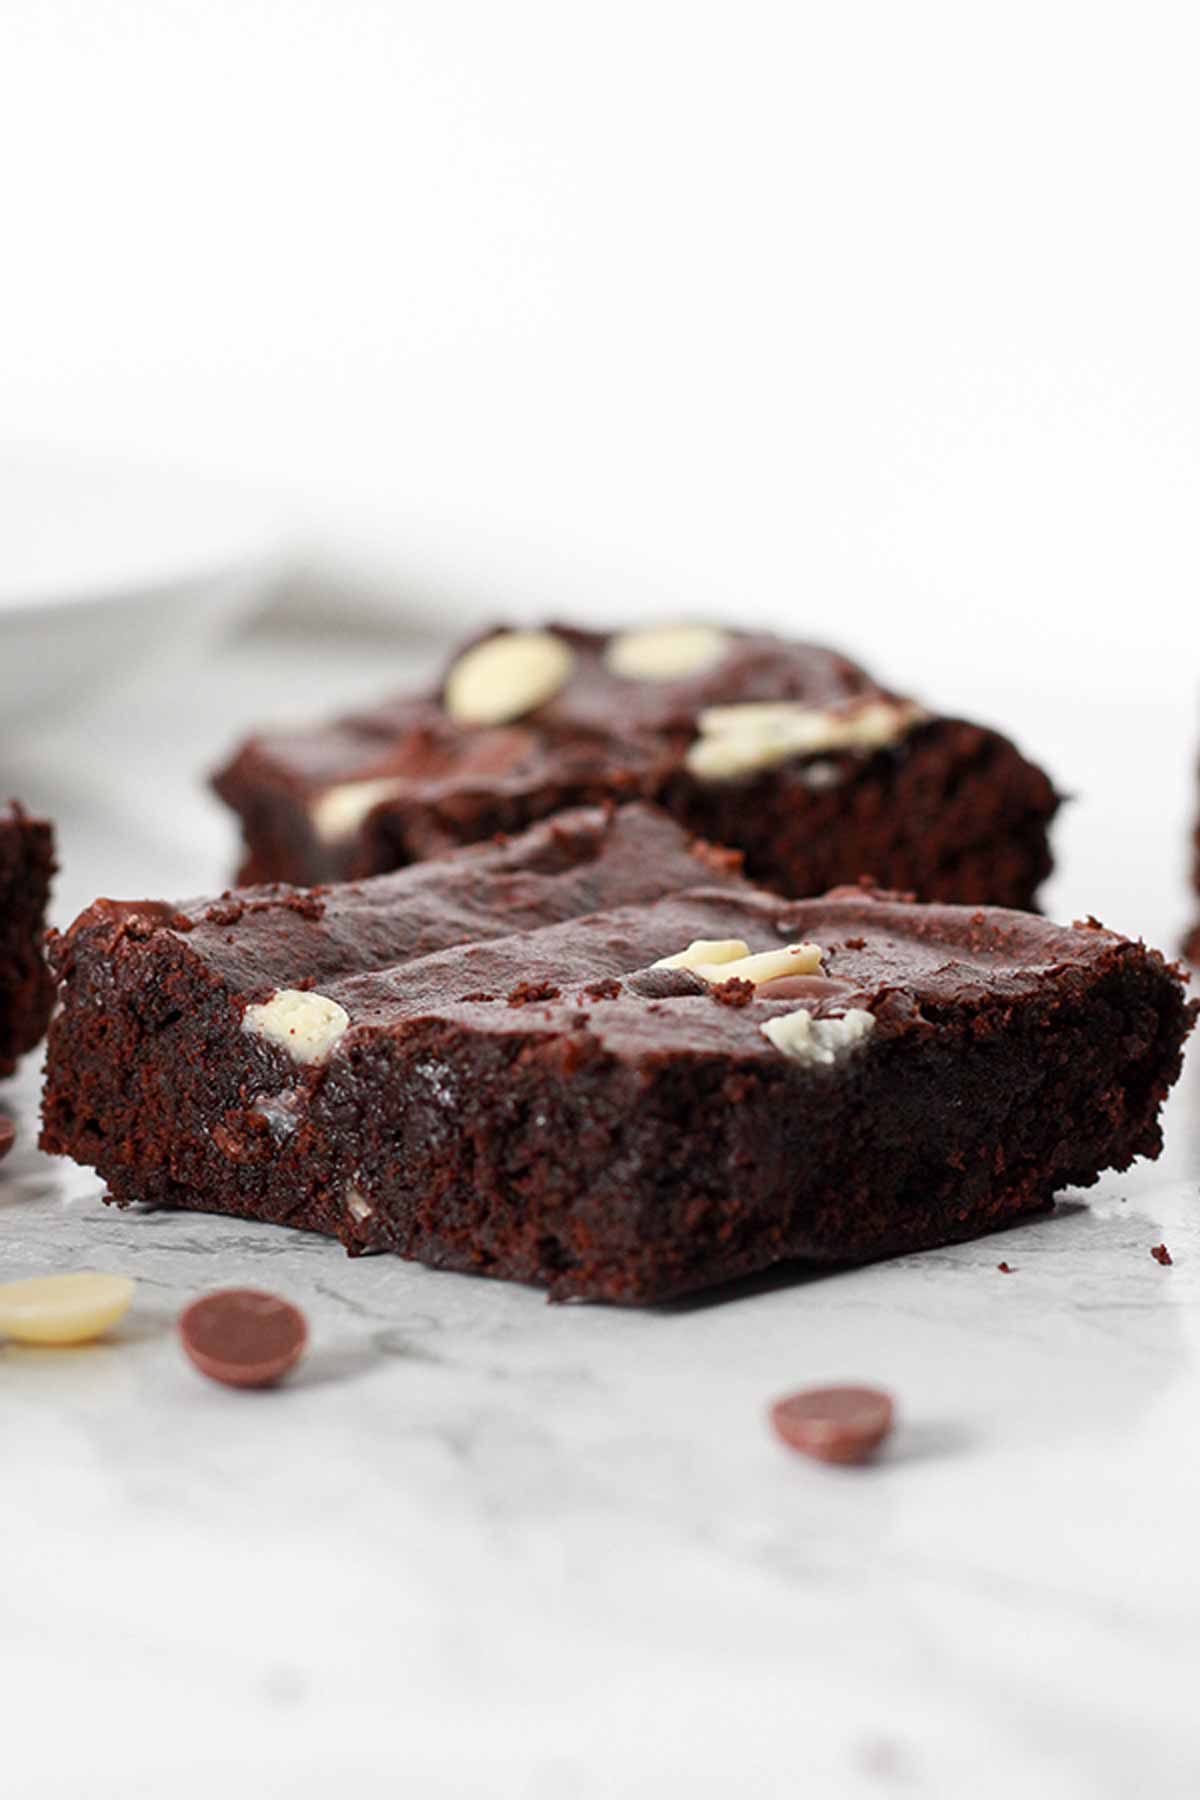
(1162, 1255)
(243, 1337)
(8, 1137)
(835, 1424)
(528, 993)
(665, 984)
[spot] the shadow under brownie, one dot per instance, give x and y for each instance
(484, 1064)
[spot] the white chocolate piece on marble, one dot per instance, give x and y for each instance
(819, 1041)
(506, 676)
(306, 1025)
(666, 652)
(705, 950)
(63, 1309)
(742, 739)
(337, 813)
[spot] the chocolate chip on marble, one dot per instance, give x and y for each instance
(243, 1337)
(834, 1424)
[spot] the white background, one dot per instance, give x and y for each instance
(875, 322)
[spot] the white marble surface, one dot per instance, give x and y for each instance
(484, 1546)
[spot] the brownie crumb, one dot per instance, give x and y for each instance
(734, 992)
(1162, 1255)
(719, 857)
(1004, 1268)
(474, 999)
(604, 990)
(229, 914)
(528, 993)
(305, 903)
(856, 943)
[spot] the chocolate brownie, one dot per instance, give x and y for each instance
(26, 990)
(790, 752)
(596, 1058)
(1191, 946)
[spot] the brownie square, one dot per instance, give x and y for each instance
(26, 990)
(596, 1058)
(790, 752)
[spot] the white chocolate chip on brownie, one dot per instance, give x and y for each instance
(818, 1041)
(740, 740)
(766, 965)
(666, 652)
(339, 811)
(704, 950)
(306, 1025)
(506, 676)
(729, 959)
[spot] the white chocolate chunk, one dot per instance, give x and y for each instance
(739, 740)
(338, 812)
(819, 1041)
(727, 959)
(766, 965)
(506, 677)
(666, 652)
(306, 1025)
(704, 950)
(63, 1309)
(357, 1205)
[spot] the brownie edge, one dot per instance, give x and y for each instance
(26, 987)
(597, 1059)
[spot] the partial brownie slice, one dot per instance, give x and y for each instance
(1191, 944)
(596, 1059)
(26, 990)
(790, 752)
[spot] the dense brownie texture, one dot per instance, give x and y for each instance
(26, 990)
(519, 1093)
(950, 811)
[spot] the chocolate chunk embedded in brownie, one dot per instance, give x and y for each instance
(790, 752)
(26, 991)
(522, 1060)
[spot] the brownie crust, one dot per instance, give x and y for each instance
(520, 1093)
(26, 988)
